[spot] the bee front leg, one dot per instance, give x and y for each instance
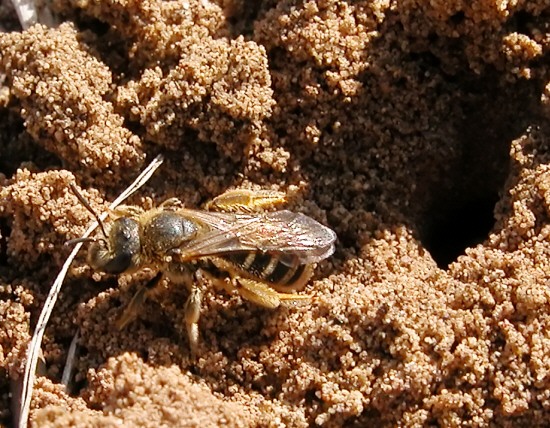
(137, 301)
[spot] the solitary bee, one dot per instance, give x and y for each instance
(265, 256)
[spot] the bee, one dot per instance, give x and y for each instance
(266, 256)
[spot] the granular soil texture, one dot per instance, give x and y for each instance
(417, 130)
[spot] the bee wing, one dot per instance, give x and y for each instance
(278, 232)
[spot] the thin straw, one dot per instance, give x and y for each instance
(36, 341)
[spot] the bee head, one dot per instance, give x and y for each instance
(120, 252)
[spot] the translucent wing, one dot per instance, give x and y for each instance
(277, 232)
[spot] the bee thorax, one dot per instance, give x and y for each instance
(167, 231)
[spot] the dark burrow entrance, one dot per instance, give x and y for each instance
(460, 226)
(460, 210)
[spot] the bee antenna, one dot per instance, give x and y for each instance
(79, 240)
(90, 209)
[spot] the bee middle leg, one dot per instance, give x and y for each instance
(127, 211)
(137, 301)
(193, 309)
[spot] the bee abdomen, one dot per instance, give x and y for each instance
(268, 267)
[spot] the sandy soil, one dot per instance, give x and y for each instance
(417, 130)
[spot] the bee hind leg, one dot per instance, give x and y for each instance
(263, 295)
(243, 200)
(137, 301)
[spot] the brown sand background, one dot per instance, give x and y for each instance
(418, 130)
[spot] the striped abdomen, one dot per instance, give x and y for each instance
(269, 268)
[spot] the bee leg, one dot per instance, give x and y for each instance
(137, 301)
(222, 282)
(127, 211)
(172, 204)
(242, 200)
(263, 295)
(258, 293)
(193, 311)
(179, 273)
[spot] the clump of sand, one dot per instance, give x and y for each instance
(400, 125)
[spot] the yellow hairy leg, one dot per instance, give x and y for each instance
(192, 308)
(242, 200)
(192, 315)
(127, 211)
(258, 292)
(263, 295)
(172, 204)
